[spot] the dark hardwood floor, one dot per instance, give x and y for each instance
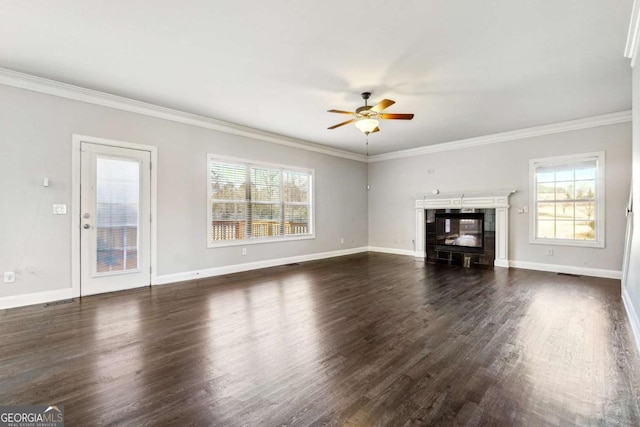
(368, 339)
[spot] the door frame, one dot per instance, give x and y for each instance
(76, 142)
(626, 256)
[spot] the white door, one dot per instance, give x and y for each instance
(115, 221)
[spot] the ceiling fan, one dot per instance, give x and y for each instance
(367, 117)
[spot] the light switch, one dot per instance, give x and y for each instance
(59, 209)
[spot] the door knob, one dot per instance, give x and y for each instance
(86, 226)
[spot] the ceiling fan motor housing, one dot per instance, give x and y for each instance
(365, 111)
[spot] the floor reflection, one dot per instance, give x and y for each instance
(363, 340)
(259, 335)
(117, 358)
(565, 356)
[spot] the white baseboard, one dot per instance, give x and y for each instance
(36, 298)
(393, 251)
(568, 269)
(164, 279)
(67, 293)
(554, 268)
(501, 263)
(633, 317)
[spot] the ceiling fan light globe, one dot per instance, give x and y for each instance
(367, 126)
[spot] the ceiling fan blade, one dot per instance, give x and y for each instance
(377, 129)
(396, 116)
(340, 112)
(385, 103)
(341, 124)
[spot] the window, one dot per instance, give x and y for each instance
(253, 202)
(568, 200)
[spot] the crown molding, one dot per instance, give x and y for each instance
(589, 122)
(64, 90)
(633, 36)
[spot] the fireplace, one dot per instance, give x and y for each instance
(492, 206)
(460, 236)
(463, 232)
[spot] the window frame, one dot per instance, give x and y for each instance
(259, 240)
(600, 224)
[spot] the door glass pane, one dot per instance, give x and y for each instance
(117, 214)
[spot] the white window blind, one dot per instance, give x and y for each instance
(117, 214)
(252, 202)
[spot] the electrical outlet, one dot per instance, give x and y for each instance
(244, 251)
(9, 277)
(342, 240)
(549, 252)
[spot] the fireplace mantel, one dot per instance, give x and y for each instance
(498, 200)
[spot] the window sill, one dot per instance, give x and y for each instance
(257, 241)
(574, 243)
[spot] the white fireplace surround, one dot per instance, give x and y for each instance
(498, 200)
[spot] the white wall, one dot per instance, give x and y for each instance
(632, 291)
(395, 184)
(35, 141)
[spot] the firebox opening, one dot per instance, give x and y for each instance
(462, 232)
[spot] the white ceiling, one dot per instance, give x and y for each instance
(465, 68)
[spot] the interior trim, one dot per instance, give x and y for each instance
(567, 269)
(22, 300)
(64, 90)
(571, 125)
(77, 93)
(633, 317)
(165, 279)
(525, 265)
(393, 251)
(633, 36)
